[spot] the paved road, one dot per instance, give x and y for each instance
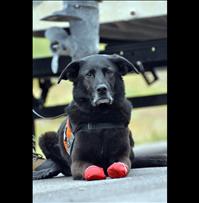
(141, 185)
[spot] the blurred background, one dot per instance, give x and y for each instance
(148, 124)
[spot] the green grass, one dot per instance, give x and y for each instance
(40, 47)
(147, 124)
(135, 86)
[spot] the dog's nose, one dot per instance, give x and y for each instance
(101, 89)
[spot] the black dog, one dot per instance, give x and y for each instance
(98, 117)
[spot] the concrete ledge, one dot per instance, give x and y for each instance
(141, 185)
(156, 148)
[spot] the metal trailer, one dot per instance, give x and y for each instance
(136, 30)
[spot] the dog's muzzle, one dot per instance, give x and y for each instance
(102, 96)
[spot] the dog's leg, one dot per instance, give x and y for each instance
(47, 169)
(49, 143)
(84, 170)
(121, 165)
(120, 168)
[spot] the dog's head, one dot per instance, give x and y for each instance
(96, 77)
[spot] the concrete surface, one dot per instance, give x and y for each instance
(155, 148)
(141, 185)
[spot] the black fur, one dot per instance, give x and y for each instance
(100, 147)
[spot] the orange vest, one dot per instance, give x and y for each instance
(68, 137)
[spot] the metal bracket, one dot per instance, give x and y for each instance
(142, 70)
(44, 84)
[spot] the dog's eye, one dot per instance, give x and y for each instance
(89, 74)
(109, 72)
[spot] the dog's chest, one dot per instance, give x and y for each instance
(100, 145)
(114, 113)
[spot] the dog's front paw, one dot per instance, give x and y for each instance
(94, 173)
(117, 170)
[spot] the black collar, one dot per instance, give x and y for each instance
(93, 126)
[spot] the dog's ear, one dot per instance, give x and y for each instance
(124, 65)
(70, 72)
